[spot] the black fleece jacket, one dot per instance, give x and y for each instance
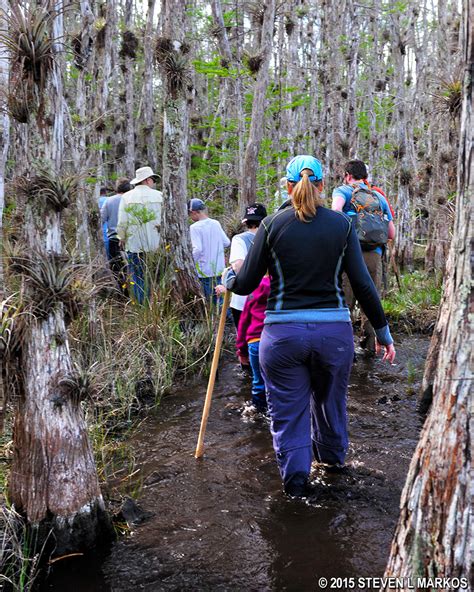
(305, 261)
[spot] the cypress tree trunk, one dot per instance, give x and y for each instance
(83, 57)
(53, 478)
(4, 131)
(435, 531)
(404, 237)
(149, 129)
(5, 145)
(128, 52)
(105, 58)
(249, 173)
(172, 55)
(444, 133)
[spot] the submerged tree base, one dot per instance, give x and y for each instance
(88, 530)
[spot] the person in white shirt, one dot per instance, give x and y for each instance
(138, 227)
(239, 247)
(209, 241)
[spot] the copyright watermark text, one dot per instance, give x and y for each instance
(356, 583)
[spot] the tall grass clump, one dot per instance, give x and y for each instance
(125, 357)
(133, 356)
(19, 552)
(414, 305)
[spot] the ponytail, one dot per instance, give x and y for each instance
(306, 197)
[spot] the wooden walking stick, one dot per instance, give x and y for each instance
(212, 376)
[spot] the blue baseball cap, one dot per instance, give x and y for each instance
(301, 162)
(195, 205)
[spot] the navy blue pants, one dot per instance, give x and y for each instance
(306, 369)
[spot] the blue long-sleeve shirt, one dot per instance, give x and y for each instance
(305, 261)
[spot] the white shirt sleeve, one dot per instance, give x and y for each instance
(238, 249)
(196, 242)
(122, 221)
(225, 238)
(104, 213)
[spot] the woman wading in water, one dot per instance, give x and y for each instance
(307, 347)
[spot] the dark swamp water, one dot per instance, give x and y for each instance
(222, 523)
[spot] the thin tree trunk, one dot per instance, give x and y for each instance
(249, 174)
(104, 55)
(129, 79)
(83, 59)
(230, 93)
(5, 145)
(175, 234)
(435, 531)
(404, 238)
(220, 32)
(149, 130)
(4, 131)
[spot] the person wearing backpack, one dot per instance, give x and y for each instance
(373, 220)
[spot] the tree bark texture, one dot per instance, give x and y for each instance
(83, 59)
(148, 106)
(249, 173)
(4, 147)
(175, 229)
(435, 531)
(404, 237)
(129, 73)
(53, 479)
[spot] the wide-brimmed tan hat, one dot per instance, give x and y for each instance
(142, 174)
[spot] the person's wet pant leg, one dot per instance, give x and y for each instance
(284, 362)
(116, 263)
(236, 314)
(258, 385)
(208, 285)
(136, 264)
(331, 364)
(373, 260)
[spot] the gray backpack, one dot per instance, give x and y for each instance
(371, 223)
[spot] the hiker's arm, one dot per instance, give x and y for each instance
(195, 242)
(225, 239)
(388, 213)
(104, 213)
(237, 264)
(338, 202)
(254, 267)
(391, 230)
(238, 252)
(122, 224)
(364, 289)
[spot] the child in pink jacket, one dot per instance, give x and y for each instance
(248, 338)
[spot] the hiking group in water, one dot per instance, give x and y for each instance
(295, 276)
